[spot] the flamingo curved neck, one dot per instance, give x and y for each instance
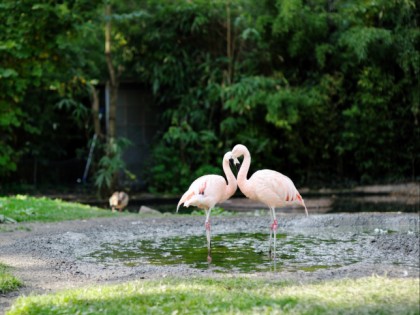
(243, 173)
(232, 185)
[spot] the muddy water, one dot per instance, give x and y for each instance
(301, 250)
(248, 252)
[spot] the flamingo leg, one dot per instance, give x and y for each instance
(207, 225)
(273, 231)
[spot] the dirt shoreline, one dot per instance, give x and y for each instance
(46, 257)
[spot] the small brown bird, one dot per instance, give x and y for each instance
(118, 200)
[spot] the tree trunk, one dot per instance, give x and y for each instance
(95, 111)
(113, 90)
(229, 44)
(113, 80)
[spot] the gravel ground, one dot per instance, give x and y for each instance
(50, 256)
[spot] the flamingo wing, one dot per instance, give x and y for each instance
(273, 188)
(204, 192)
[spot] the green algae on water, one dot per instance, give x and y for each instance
(234, 252)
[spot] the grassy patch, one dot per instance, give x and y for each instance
(373, 295)
(8, 282)
(30, 209)
(216, 211)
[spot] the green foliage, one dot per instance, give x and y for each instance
(314, 92)
(236, 295)
(111, 164)
(360, 39)
(216, 211)
(41, 76)
(323, 91)
(8, 282)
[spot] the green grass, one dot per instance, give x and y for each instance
(216, 211)
(8, 282)
(373, 295)
(30, 209)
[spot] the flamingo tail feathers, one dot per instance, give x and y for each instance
(303, 203)
(184, 198)
(306, 210)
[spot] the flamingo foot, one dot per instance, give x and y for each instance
(207, 225)
(272, 251)
(275, 225)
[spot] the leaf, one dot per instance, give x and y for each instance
(360, 38)
(7, 73)
(4, 219)
(250, 33)
(156, 85)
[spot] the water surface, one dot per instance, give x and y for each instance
(248, 252)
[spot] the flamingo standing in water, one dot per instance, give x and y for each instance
(207, 191)
(269, 187)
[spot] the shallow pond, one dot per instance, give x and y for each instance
(247, 252)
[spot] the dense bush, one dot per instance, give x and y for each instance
(43, 80)
(326, 92)
(323, 91)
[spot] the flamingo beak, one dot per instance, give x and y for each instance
(235, 160)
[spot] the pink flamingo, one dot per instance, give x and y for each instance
(269, 187)
(207, 191)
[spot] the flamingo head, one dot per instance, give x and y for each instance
(236, 161)
(227, 156)
(239, 150)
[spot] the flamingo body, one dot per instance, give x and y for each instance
(273, 189)
(207, 191)
(267, 186)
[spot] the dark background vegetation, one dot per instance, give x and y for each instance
(326, 92)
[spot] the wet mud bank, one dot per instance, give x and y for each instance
(49, 257)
